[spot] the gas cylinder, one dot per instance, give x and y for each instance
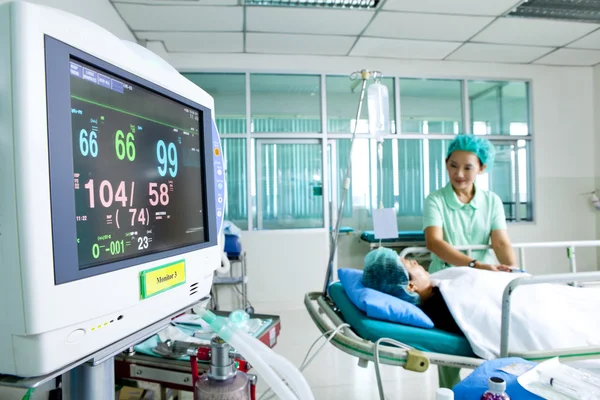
(222, 381)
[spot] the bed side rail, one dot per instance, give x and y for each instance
(347, 341)
(570, 246)
(532, 280)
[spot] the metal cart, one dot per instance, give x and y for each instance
(160, 375)
(235, 255)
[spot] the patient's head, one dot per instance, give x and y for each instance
(406, 279)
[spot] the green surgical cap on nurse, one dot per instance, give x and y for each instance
(384, 272)
(481, 147)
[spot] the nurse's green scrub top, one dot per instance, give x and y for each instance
(464, 224)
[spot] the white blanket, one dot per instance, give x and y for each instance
(543, 316)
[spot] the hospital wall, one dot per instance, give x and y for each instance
(283, 265)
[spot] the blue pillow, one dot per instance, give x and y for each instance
(379, 305)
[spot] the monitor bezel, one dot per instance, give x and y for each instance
(58, 56)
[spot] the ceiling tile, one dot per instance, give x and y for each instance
(298, 44)
(304, 20)
(181, 18)
(465, 7)
(571, 57)
(498, 53)
(425, 26)
(396, 48)
(534, 32)
(591, 41)
(182, 2)
(198, 42)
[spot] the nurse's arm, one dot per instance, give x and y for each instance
(503, 248)
(434, 239)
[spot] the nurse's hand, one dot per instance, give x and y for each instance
(488, 267)
(503, 268)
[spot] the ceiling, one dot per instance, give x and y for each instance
(457, 30)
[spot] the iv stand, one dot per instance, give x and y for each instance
(365, 75)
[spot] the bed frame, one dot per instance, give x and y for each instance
(327, 317)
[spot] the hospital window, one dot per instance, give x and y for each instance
(289, 184)
(436, 102)
(277, 182)
(229, 93)
(496, 106)
(285, 103)
(236, 186)
(342, 96)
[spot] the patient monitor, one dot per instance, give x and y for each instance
(111, 189)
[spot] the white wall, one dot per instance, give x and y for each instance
(564, 164)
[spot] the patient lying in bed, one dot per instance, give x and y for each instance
(467, 300)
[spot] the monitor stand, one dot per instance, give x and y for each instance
(93, 377)
(90, 382)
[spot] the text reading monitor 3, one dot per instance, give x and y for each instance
(112, 189)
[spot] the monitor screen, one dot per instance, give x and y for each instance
(137, 158)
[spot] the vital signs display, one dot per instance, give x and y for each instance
(132, 168)
(136, 154)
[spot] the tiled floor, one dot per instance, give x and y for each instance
(333, 374)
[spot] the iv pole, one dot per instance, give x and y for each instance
(365, 75)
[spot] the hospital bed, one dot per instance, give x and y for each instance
(405, 239)
(417, 348)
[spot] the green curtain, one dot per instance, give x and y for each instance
(343, 151)
(234, 155)
(410, 172)
(387, 170)
(292, 125)
(231, 125)
(292, 177)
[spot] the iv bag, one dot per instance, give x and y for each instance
(379, 110)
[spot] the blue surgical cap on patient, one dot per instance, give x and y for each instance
(384, 272)
(477, 145)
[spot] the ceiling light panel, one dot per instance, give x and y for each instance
(358, 4)
(568, 10)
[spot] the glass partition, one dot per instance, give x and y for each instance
(229, 93)
(431, 106)
(285, 103)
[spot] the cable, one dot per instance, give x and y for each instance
(376, 355)
(28, 394)
(306, 363)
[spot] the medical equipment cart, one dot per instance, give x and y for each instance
(235, 255)
(159, 375)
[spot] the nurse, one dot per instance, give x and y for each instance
(461, 213)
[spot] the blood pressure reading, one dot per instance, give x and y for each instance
(137, 169)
